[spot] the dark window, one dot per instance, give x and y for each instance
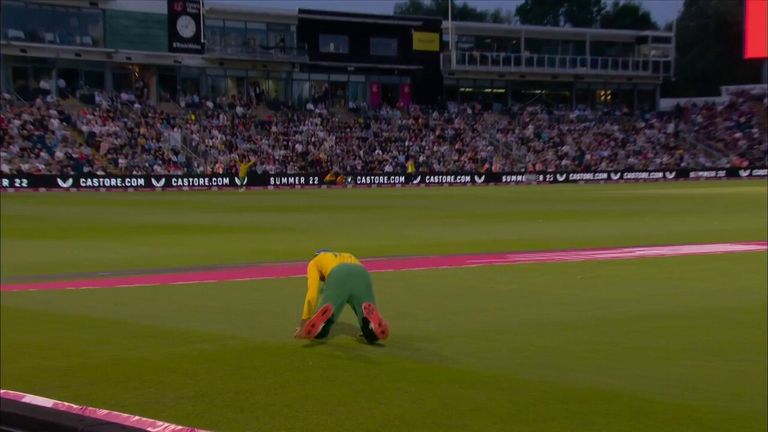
(383, 46)
(52, 24)
(332, 43)
(94, 79)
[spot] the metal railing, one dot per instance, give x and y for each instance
(503, 62)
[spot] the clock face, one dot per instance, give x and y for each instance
(186, 27)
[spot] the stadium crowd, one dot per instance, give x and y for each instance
(123, 136)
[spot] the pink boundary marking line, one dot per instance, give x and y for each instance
(275, 271)
(97, 413)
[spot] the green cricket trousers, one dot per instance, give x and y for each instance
(346, 284)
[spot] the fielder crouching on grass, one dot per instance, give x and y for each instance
(346, 281)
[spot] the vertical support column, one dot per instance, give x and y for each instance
(674, 46)
(53, 83)
(177, 70)
(153, 85)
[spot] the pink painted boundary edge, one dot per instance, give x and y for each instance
(277, 271)
(97, 413)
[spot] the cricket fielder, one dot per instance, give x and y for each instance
(243, 174)
(346, 281)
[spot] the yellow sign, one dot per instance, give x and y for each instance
(426, 41)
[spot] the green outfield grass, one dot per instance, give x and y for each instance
(662, 344)
(96, 232)
(673, 344)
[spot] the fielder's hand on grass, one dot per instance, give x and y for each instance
(297, 332)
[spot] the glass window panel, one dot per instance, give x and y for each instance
(465, 42)
(36, 20)
(280, 36)
(332, 43)
(236, 86)
(69, 27)
(13, 21)
(300, 94)
(386, 79)
(53, 25)
(383, 46)
(234, 37)
(256, 37)
(277, 27)
(255, 88)
(218, 86)
(189, 72)
(356, 92)
(190, 85)
(320, 91)
(214, 33)
(92, 28)
(277, 90)
(338, 94)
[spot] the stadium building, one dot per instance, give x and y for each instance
(181, 47)
(505, 64)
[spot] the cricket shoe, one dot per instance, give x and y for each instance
(375, 328)
(314, 325)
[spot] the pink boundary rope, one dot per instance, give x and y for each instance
(97, 413)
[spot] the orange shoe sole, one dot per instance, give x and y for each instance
(378, 325)
(313, 326)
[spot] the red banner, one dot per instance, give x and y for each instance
(375, 94)
(756, 29)
(405, 94)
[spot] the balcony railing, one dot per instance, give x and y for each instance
(502, 62)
